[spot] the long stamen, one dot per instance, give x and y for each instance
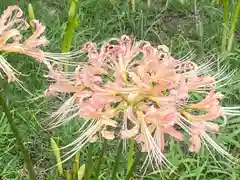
(82, 141)
(217, 147)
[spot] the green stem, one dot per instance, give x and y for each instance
(130, 154)
(132, 169)
(24, 151)
(31, 16)
(100, 160)
(89, 163)
(225, 25)
(118, 157)
(69, 175)
(133, 5)
(76, 165)
(233, 26)
(149, 3)
(71, 25)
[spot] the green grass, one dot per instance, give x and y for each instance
(174, 25)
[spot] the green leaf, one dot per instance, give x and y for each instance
(219, 171)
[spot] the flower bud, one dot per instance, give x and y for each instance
(31, 15)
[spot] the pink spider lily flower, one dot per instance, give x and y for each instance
(130, 89)
(12, 25)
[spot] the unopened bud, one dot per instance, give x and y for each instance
(56, 152)
(31, 15)
(72, 10)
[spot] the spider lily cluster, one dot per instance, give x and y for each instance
(126, 89)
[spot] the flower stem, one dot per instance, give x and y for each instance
(56, 152)
(233, 26)
(76, 165)
(114, 172)
(24, 151)
(100, 159)
(131, 170)
(71, 25)
(225, 25)
(149, 3)
(132, 5)
(130, 154)
(89, 163)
